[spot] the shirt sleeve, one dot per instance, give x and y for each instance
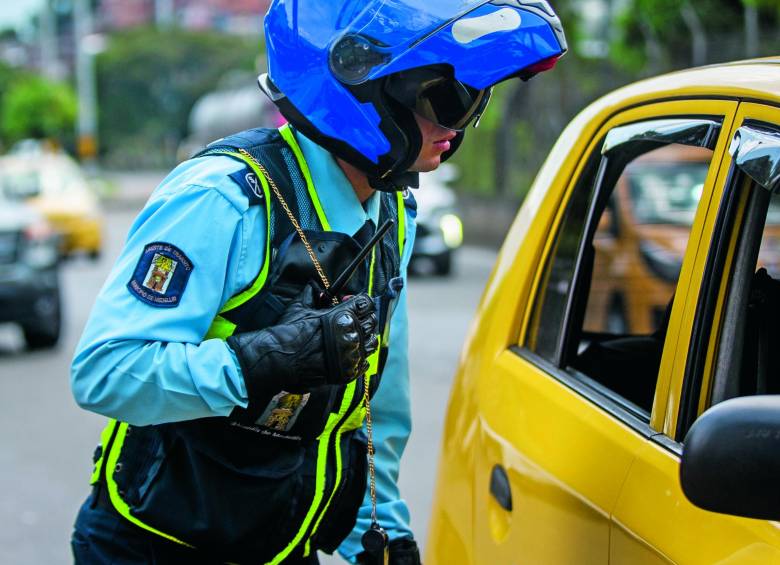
(392, 425)
(145, 364)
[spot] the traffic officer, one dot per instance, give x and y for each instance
(250, 343)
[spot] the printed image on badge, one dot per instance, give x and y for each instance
(282, 411)
(161, 275)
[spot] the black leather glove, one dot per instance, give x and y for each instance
(309, 347)
(403, 551)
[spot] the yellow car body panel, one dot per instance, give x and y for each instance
(573, 468)
(550, 494)
(655, 524)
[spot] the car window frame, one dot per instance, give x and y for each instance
(723, 260)
(623, 410)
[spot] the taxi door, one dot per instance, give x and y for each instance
(564, 412)
(714, 359)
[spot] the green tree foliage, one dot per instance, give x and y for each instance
(148, 81)
(7, 75)
(653, 36)
(34, 107)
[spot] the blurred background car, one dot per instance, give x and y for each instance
(641, 238)
(54, 184)
(439, 228)
(29, 274)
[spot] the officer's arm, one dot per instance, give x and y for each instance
(141, 358)
(391, 412)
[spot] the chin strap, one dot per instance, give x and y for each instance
(395, 183)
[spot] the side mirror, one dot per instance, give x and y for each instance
(731, 458)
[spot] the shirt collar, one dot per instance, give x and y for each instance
(344, 211)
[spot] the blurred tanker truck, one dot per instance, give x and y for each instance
(236, 104)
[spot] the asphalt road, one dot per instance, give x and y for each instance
(46, 441)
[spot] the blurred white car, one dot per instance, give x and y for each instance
(439, 228)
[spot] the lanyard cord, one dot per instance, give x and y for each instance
(326, 284)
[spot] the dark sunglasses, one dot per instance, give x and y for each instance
(438, 98)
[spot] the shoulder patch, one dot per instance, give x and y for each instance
(161, 275)
(250, 184)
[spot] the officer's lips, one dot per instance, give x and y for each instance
(443, 145)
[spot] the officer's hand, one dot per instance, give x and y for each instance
(348, 332)
(309, 347)
(403, 551)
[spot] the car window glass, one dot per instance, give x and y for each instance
(635, 268)
(769, 252)
(638, 258)
(546, 324)
(606, 295)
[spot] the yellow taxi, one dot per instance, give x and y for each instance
(54, 184)
(572, 441)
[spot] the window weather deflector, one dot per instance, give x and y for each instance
(685, 131)
(756, 151)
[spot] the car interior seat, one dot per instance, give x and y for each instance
(627, 365)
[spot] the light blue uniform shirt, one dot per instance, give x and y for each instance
(143, 364)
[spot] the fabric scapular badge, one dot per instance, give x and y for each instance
(250, 185)
(161, 275)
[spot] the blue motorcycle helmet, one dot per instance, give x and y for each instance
(351, 74)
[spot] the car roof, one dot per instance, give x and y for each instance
(755, 79)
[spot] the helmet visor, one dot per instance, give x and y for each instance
(438, 98)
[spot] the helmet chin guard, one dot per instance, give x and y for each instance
(351, 74)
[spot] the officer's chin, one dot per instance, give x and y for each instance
(426, 165)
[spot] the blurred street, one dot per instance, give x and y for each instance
(48, 441)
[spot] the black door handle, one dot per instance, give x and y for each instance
(500, 488)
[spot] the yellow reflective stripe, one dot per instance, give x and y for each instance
(289, 137)
(220, 329)
(242, 297)
(113, 490)
(401, 223)
(339, 467)
(105, 437)
(355, 420)
(322, 459)
(371, 273)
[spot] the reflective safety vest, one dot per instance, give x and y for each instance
(287, 475)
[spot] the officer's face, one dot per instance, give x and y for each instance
(435, 141)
